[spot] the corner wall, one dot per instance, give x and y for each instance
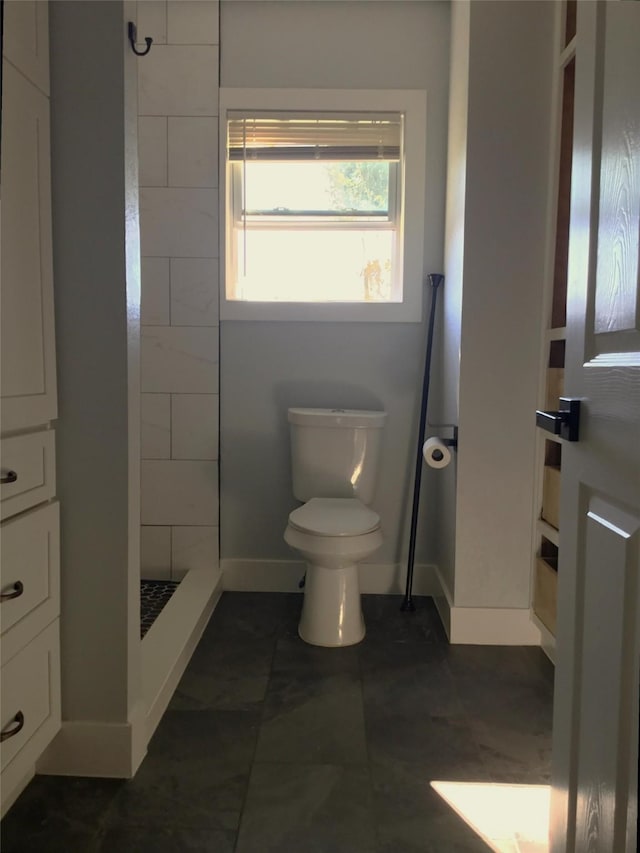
(496, 245)
(451, 312)
(97, 299)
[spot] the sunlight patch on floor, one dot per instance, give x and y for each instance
(510, 818)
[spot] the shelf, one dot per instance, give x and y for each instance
(545, 594)
(546, 530)
(567, 54)
(558, 333)
(555, 438)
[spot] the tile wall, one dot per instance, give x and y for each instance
(178, 145)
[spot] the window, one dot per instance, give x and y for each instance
(315, 203)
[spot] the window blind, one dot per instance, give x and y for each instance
(313, 136)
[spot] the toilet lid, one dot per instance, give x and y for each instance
(334, 517)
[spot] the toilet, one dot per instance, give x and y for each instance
(334, 456)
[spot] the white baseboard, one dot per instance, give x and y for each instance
(13, 784)
(93, 749)
(444, 602)
(285, 576)
(484, 626)
(115, 750)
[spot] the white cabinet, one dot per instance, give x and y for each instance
(30, 531)
(26, 41)
(26, 302)
(28, 469)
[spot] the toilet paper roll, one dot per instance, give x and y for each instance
(436, 453)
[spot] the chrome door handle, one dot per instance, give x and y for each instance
(565, 422)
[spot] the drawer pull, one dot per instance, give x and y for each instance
(9, 477)
(17, 723)
(18, 589)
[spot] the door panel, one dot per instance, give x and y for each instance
(595, 739)
(610, 538)
(616, 302)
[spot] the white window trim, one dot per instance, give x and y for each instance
(412, 102)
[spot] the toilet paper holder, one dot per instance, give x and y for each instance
(450, 442)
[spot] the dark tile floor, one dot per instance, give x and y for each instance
(273, 746)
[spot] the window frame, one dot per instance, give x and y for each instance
(410, 212)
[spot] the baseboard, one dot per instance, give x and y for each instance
(484, 626)
(116, 750)
(493, 626)
(93, 749)
(444, 602)
(168, 645)
(13, 784)
(285, 576)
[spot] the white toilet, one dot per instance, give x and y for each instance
(334, 455)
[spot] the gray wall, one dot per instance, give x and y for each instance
(449, 340)
(497, 207)
(504, 272)
(266, 367)
(97, 301)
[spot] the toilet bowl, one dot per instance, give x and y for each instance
(334, 461)
(333, 535)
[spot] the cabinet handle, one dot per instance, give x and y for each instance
(17, 723)
(18, 589)
(9, 477)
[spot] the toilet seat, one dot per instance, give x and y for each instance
(334, 517)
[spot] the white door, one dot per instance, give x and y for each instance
(595, 749)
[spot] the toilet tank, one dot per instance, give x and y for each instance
(335, 452)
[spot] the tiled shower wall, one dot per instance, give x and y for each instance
(178, 145)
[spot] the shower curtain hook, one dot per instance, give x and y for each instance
(133, 38)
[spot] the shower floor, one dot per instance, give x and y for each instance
(153, 597)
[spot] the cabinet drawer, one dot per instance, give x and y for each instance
(31, 458)
(29, 571)
(31, 696)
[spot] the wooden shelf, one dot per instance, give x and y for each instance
(548, 531)
(567, 54)
(545, 594)
(559, 333)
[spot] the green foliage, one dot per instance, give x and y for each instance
(359, 185)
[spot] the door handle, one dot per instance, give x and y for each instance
(565, 422)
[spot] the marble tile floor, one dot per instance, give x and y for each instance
(273, 746)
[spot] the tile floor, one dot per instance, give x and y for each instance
(273, 746)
